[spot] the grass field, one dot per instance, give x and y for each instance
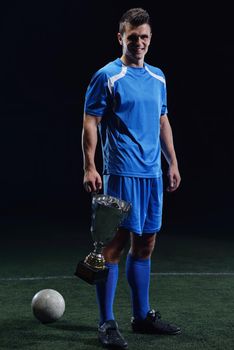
(192, 285)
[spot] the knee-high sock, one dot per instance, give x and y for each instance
(138, 276)
(105, 292)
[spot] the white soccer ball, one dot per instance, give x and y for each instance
(48, 305)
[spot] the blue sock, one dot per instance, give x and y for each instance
(105, 292)
(138, 276)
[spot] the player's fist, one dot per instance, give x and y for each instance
(92, 181)
(173, 178)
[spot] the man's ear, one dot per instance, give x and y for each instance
(119, 37)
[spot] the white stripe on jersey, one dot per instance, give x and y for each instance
(113, 79)
(155, 75)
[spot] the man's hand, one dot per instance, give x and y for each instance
(173, 177)
(92, 181)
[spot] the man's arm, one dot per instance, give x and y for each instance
(92, 179)
(168, 151)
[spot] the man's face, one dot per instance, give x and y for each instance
(135, 42)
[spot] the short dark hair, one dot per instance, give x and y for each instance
(136, 17)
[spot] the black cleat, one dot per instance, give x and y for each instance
(153, 324)
(110, 337)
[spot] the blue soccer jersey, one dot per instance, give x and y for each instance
(130, 101)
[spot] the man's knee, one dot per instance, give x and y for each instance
(142, 246)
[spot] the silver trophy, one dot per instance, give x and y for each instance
(107, 214)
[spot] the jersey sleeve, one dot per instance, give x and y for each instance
(164, 109)
(97, 96)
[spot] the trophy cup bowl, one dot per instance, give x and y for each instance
(107, 214)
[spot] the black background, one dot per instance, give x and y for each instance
(49, 51)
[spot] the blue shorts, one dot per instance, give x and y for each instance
(146, 197)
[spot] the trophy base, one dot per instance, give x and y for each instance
(90, 274)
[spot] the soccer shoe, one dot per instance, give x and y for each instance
(153, 324)
(110, 337)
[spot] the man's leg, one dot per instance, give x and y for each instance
(105, 291)
(144, 319)
(138, 272)
(112, 185)
(108, 332)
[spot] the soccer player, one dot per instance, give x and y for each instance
(126, 101)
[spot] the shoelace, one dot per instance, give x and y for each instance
(155, 315)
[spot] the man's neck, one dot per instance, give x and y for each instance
(130, 63)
